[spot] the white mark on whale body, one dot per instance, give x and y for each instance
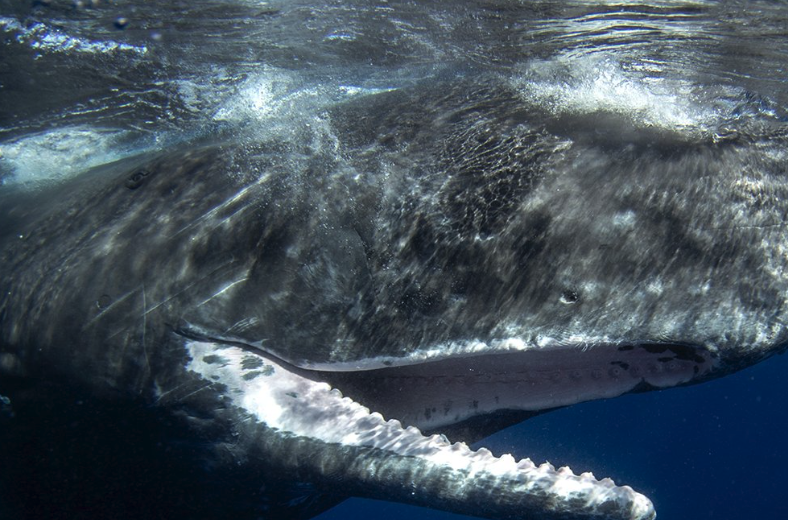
(625, 220)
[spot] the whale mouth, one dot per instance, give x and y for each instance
(435, 394)
(477, 393)
(329, 409)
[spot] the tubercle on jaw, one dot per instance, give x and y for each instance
(482, 452)
(526, 472)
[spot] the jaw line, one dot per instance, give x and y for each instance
(435, 394)
(474, 382)
(311, 405)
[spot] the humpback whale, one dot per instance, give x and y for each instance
(263, 329)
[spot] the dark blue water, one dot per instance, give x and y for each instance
(714, 451)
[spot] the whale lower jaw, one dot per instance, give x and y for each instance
(381, 458)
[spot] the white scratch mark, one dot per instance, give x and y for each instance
(223, 290)
(238, 196)
(109, 308)
(144, 326)
(166, 300)
(198, 390)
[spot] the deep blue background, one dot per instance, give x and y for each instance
(713, 451)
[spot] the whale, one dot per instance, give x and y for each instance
(263, 328)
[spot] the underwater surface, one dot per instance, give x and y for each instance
(85, 83)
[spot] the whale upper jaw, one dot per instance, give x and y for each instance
(439, 393)
(327, 432)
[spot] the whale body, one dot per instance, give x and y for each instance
(262, 329)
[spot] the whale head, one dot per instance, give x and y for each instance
(437, 261)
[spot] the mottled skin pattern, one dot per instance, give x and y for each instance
(530, 225)
(422, 217)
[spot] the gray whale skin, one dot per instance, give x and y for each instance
(261, 330)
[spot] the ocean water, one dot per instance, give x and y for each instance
(84, 83)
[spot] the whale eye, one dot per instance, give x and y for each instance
(136, 179)
(569, 296)
(104, 301)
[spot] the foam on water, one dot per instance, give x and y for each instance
(590, 85)
(282, 106)
(270, 104)
(259, 97)
(41, 37)
(59, 154)
(277, 94)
